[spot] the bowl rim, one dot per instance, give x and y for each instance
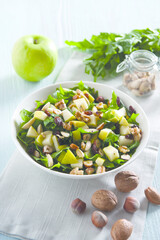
(66, 175)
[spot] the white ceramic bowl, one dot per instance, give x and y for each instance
(104, 90)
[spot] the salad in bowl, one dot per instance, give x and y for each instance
(79, 131)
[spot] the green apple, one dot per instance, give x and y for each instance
(123, 121)
(90, 97)
(93, 121)
(40, 115)
(81, 103)
(32, 132)
(67, 115)
(29, 123)
(34, 57)
(76, 135)
(99, 161)
(78, 124)
(124, 130)
(123, 141)
(104, 133)
(111, 153)
(67, 158)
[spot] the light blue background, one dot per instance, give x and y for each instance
(64, 20)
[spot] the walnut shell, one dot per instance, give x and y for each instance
(126, 181)
(104, 200)
(121, 230)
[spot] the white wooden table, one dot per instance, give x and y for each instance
(63, 20)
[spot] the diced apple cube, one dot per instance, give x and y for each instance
(79, 164)
(76, 136)
(39, 140)
(111, 153)
(121, 112)
(124, 130)
(123, 122)
(56, 143)
(99, 161)
(46, 106)
(93, 121)
(29, 123)
(104, 133)
(124, 141)
(50, 160)
(40, 115)
(90, 97)
(32, 132)
(67, 115)
(67, 158)
(78, 124)
(81, 104)
(48, 140)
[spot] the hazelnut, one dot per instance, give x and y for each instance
(89, 170)
(100, 169)
(73, 146)
(131, 204)
(126, 181)
(99, 219)
(78, 206)
(104, 200)
(121, 230)
(152, 195)
(88, 163)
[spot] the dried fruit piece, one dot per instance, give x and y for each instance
(99, 219)
(121, 230)
(78, 206)
(152, 195)
(104, 200)
(126, 181)
(131, 204)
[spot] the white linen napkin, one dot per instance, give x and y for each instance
(36, 205)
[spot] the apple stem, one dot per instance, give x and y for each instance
(35, 41)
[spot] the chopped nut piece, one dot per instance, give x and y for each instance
(50, 160)
(101, 152)
(76, 171)
(75, 97)
(79, 153)
(74, 146)
(65, 134)
(101, 126)
(98, 114)
(60, 105)
(97, 142)
(137, 133)
(67, 126)
(79, 116)
(88, 163)
(83, 146)
(47, 149)
(100, 169)
(86, 137)
(88, 146)
(89, 170)
(125, 156)
(36, 154)
(99, 105)
(123, 149)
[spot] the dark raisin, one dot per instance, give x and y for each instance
(95, 150)
(100, 99)
(58, 121)
(117, 128)
(118, 101)
(129, 136)
(47, 113)
(56, 132)
(30, 150)
(132, 110)
(88, 112)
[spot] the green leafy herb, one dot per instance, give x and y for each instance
(133, 117)
(111, 138)
(49, 123)
(50, 99)
(23, 138)
(57, 165)
(113, 104)
(93, 158)
(26, 115)
(109, 49)
(134, 145)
